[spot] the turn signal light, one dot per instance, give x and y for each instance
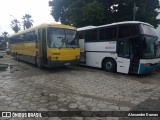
(77, 57)
(147, 64)
(54, 58)
(49, 57)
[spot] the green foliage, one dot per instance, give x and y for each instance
(4, 43)
(94, 16)
(27, 22)
(97, 12)
(15, 25)
(5, 34)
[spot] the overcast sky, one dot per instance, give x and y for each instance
(38, 9)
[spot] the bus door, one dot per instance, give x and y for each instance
(44, 49)
(41, 45)
(123, 60)
(38, 43)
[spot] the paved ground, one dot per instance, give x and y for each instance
(23, 87)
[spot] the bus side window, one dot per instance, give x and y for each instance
(127, 31)
(81, 35)
(25, 37)
(106, 34)
(87, 35)
(35, 37)
(93, 35)
(102, 34)
(19, 38)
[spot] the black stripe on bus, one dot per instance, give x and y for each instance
(102, 51)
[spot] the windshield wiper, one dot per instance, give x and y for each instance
(63, 41)
(70, 38)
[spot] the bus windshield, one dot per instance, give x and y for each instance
(148, 46)
(61, 38)
(147, 30)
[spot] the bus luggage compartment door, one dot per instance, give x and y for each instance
(123, 65)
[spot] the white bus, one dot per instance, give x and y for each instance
(125, 47)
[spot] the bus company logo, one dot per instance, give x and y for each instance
(111, 47)
(6, 114)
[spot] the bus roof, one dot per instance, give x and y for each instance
(112, 24)
(44, 25)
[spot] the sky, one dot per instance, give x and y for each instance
(38, 9)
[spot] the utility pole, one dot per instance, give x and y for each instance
(134, 11)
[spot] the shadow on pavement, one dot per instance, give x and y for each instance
(148, 105)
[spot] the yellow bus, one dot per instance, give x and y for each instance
(50, 45)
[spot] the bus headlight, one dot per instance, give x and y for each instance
(77, 56)
(49, 58)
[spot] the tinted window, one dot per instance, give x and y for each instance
(29, 36)
(106, 34)
(127, 31)
(17, 39)
(91, 35)
(80, 35)
(123, 48)
(148, 46)
(87, 35)
(148, 30)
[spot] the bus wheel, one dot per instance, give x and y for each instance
(39, 63)
(109, 65)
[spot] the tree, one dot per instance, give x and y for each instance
(97, 12)
(4, 43)
(27, 21)
(5, 34)
(15, 25)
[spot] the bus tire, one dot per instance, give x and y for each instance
(39, 63)
(109, 65)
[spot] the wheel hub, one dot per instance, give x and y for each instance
(108, 65)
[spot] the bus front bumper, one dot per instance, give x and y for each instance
(143, 68)
(62, 63)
